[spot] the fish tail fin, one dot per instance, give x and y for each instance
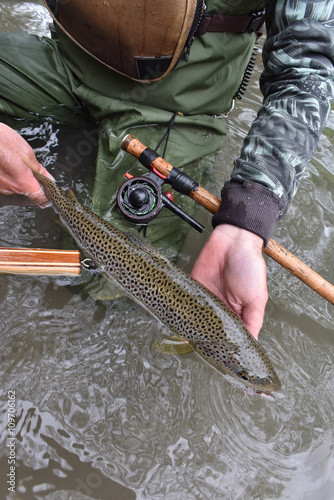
(38, 176)
(52, 190)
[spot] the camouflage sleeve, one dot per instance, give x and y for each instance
(298, 89)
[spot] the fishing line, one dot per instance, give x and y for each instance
(299, 299)
(166, 135)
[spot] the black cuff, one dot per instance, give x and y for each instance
(251, 206)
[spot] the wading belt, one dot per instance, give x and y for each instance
(251, 23)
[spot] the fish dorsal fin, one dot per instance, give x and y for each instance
(143, 243)
(70, 195)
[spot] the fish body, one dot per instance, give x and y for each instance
(177, 300)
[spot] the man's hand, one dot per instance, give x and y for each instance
(17, 161)
(231, 265)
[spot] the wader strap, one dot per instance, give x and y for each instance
(251, 23)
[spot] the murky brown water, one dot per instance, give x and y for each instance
(102, 415)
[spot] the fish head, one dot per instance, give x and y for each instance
(264, 383)
(250, 365)
(247, 362)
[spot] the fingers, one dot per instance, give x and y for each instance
(37, 195)
(35, 166)
(23, 182)
(17, 164)
(253, 316)
(231, 265)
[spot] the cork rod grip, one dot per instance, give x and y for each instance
(133, 146)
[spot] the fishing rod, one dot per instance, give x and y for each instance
(184, 184)
(67, 262)
(37, 261)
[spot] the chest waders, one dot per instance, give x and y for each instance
(58, 72)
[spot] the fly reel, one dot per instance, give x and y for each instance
(140, 199)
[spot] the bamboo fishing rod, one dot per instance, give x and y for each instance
(298, 268)
(36, 261)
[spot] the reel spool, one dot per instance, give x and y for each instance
(140, 199)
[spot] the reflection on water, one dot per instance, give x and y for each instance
(101, 414)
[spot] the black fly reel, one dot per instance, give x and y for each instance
(140, 199)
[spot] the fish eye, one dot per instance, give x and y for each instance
(246, 375)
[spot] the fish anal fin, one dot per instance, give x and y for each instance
(103, 290)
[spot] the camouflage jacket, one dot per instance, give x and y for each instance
(298, 89)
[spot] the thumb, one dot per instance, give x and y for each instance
(35, 166)
(38, 196)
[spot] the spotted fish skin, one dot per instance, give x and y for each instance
(172, 296)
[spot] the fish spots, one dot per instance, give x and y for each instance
(172, 296)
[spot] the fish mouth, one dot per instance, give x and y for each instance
(253, 392)
(266, 384)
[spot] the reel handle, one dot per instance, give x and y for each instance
(183, 215)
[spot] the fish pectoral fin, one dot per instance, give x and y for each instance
(103, 290)
(173, 345)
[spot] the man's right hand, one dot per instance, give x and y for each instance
(17, 162)
(232, 266)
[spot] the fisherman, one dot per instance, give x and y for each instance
(76, 74)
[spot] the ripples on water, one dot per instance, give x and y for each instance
(30, 16)
(101, 414)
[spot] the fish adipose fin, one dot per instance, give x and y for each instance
(70, 195)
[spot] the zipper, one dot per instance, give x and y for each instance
(248, 72)
(200, 8)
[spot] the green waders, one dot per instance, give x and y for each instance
(54, 79)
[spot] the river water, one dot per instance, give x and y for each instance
(100, 414)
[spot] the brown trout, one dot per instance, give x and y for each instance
(190, 310)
